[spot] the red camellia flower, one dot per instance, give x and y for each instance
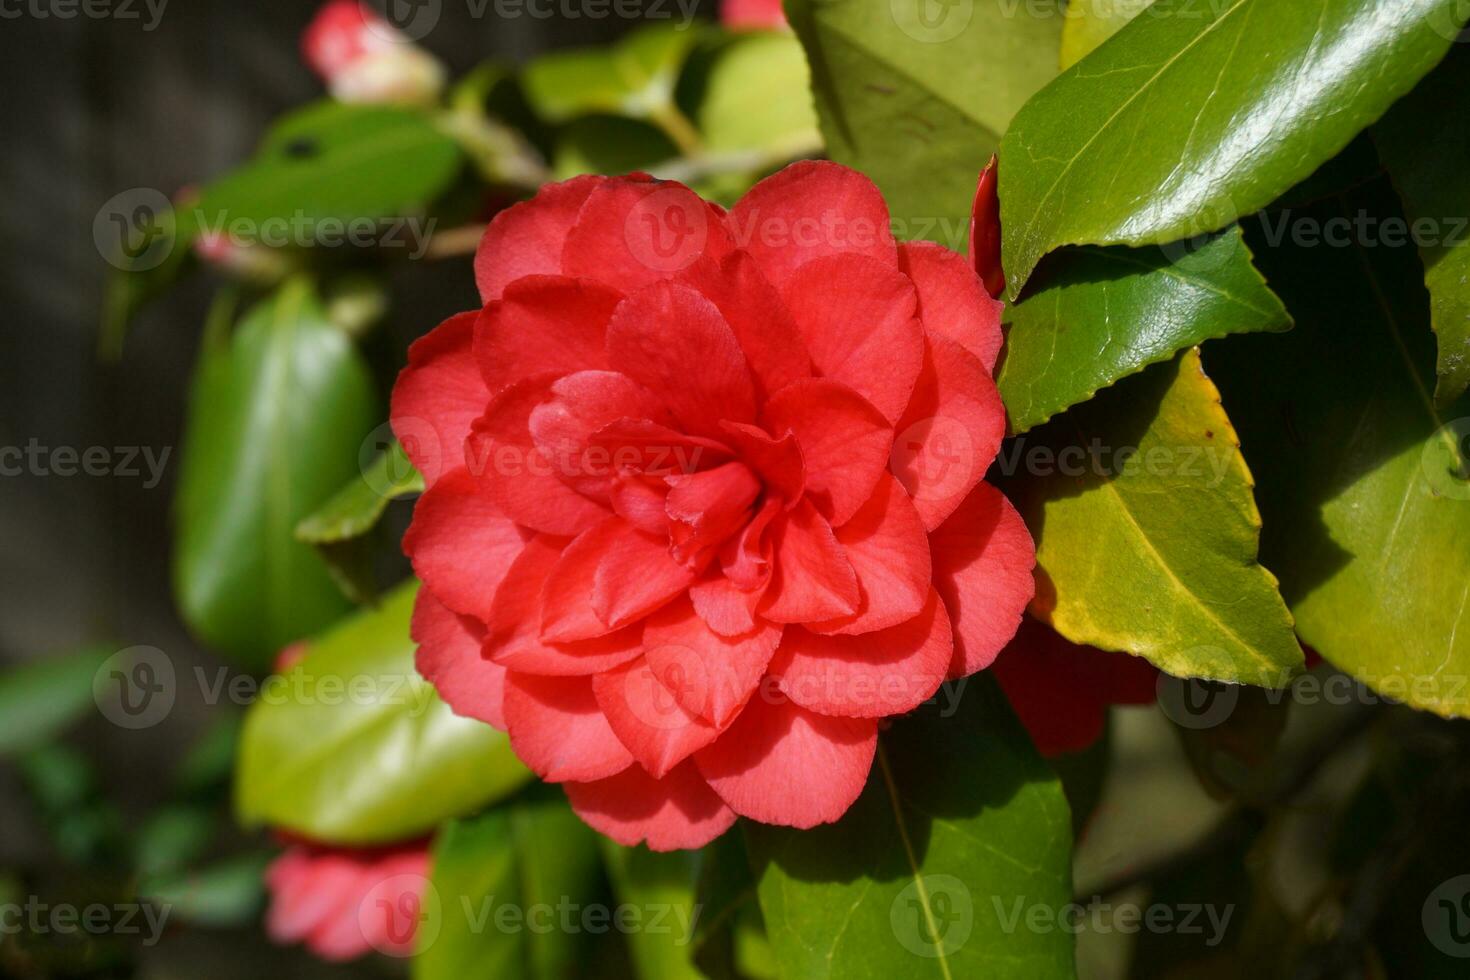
(704, 495)
(757, 14)
(343, 903)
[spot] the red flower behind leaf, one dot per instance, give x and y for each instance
(704, 495)
(1062, 691)
(342, 903)
(753, 14)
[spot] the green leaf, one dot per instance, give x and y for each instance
(1091, 22)
(961, 833)
(918, 102)
(756, 98)
(41, 699)
(1364, 483)
(1425, 141)
(339, 528)
(173, 837)
(352, 746)
(1201, 112)
(228, 894)
(661, 885)
(359, 505)
(724, 894)
(634, 77)
(1106, 313)
(609, 145)
(276, 416)
(332, 162)
(505, 882)
(1146, 531)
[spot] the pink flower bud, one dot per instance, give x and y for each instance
(364, 59)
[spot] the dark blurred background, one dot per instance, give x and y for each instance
(95, 106)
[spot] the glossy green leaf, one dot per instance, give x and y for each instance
(961, 833)
(724, 893)
(609, 145)
(352, 746)
(340, 528)
(359, 505)
(634, 77)
(331, 162)
(917, 95)
(1425, 141)
(1106, 313)
(1201, 112)
(661, 885)
(41, 699)
(1364, 483)
(757, 99)
(505, 884)
(276, 416)
(1091, 22)
(1146, 531)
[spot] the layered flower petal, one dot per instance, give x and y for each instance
(520, 476)
(558, 729)
(462, 544)
(580, 405)
(649, 719)
(543, 325)
(526, 239)
(952, 301)
(951, 431)
(778, 460)
(983, 557)
(676, 812)
(811, 578)
(514, 637)
(888, 548)
(807, 211)
(448, 657)
(710, 674)
(438, 397)
(844, 442)
(674, 342)
(889, 672)
(780, 763)
(754, 310)
(634, 231)
(857, 316)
